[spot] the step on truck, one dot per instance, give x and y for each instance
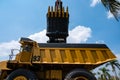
(56, 59)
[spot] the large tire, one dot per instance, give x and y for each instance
(22, 74)
(80, 74)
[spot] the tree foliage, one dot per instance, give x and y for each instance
(113, 6)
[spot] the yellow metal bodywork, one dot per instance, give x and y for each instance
(3, 65)
(81, 78)
(74, 55)
(3, 70)
(54, 74)
(20, 78)
(87, 56)
(55, 58)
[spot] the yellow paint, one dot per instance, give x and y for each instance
(48, 14)
(81, 78)
(20, 78)
(67, 12)
(63, 12)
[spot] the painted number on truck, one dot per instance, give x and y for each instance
(36, 58)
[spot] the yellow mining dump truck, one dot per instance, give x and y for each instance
(56, 59)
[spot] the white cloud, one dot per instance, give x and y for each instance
(109, 15)
(40, 37)
(100, 41)
(94, 3)
(6, 47)
(76, 35)
(79, 34)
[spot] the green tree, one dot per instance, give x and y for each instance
(114, 64)
(113, 6)
(99, 76)
(105, 74)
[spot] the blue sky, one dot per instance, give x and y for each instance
(89, 20)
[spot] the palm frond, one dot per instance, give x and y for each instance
(113, 6)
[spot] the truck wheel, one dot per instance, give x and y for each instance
(80, 74)
(22, 74)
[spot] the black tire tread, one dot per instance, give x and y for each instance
(27, 73)
(80, 72)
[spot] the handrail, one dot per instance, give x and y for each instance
(12, 54)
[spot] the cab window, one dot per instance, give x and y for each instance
(26, 48)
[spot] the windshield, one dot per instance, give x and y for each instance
(26, 48)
